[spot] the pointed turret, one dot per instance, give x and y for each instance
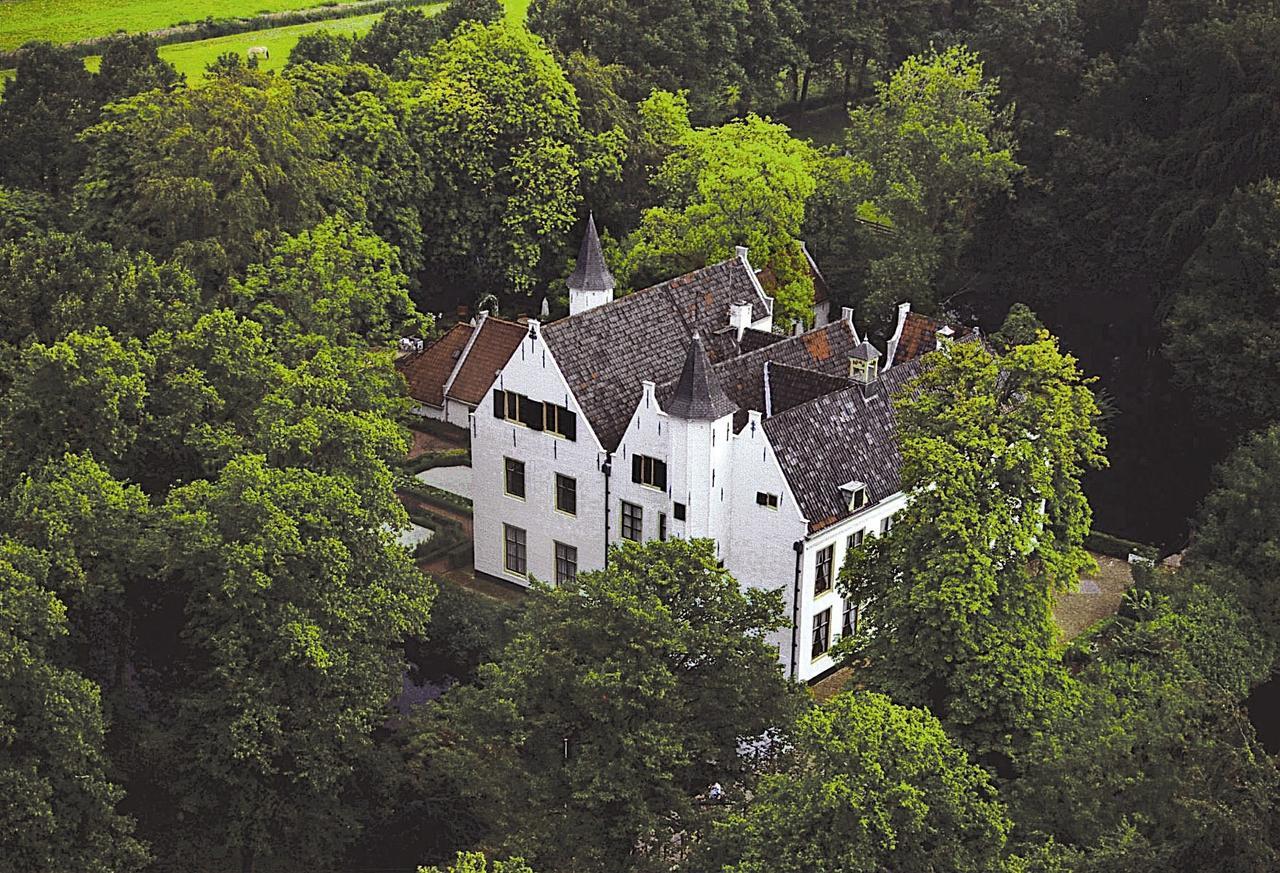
(698, 393)
(591, 283)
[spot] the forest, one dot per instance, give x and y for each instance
(206, 617)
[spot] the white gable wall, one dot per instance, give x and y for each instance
(532, 371)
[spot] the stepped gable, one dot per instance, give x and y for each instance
(606, 352)
(698, 395)
(494, 345)
(427, 371)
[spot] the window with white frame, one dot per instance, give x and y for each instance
(514, 550)
(821, 633)
(632, 522)
(566, 494)
(886, 524)
(566, 563)
(513, 477)
(822, 570)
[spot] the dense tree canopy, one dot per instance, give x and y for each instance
(869, 786)
(624, 694)
(959, 591)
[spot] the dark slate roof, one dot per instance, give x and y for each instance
(493, 346)
(840, 437)
(590, 273)
(606, 352)
(823, 350)
(865, 351)
(790, 386)
(428, 370)
(698, 395)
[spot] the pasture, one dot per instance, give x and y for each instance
(62, 21)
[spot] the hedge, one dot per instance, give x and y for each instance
(1117, 547)
(430, 460)
(433, 496)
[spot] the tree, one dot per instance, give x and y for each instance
(744, 183)
(337, 281)
(131, 65)
(296, 598)
(208, 175)
(624, 694)
(1236, 533)
(85, 392)
(397, 32)
(476, 862)
(45, 106)
(1157, 767)
(56, 283)
(323, 47)
(1229, 287)
(59, 811)
(869, 786)
(497, 128)
(960, 590)
(900, 204)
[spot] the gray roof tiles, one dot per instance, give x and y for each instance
(698, 395)
(590, 273)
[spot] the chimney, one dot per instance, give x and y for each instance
(590, 283)
(740, 316)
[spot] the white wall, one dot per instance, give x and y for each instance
(837, 535)
(532, 371)
(427, 411)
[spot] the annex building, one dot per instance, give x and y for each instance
(676, 411)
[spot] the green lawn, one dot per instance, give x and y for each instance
(70, 20)
(190, 58)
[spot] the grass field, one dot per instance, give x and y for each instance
(191, 58)
(70, 20)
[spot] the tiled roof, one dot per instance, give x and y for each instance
(494, 344)
(590, 273)
(824, 350)
(790, 386)
(428, 370)
(920, 336)
(606, 352)
(840, 437)
(698, 395)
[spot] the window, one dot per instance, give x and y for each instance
(821, 633)
(566, 494)
(514, 477)
(513, 548)
(767, 500)
(566, 563)
(559, 421)
(849, 626)
(885, 524)
(662, 526)
(649, 471)
(822, 574)
(517, 408)
(855, 539)
(678, 511)
(632, 521)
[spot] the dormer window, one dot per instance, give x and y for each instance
(855, 493)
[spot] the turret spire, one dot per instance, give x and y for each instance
(591, 283)
(698, 393)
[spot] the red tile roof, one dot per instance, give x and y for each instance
(920, 336)
(428, 370)
(492, 348)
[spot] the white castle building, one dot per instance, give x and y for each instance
(675, 411)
